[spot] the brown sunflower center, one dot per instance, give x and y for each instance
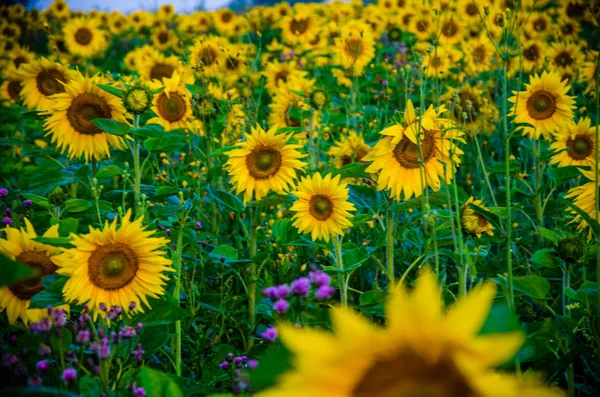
(50, 82)
(14, 88)
(299, 25)
(563, 58)
(568, 28)
(575, 10)
(171, 108)
(163, 37)
(580, 147)
(290, 119)
(112, 266)
(18, 61)
(354, 47)
(412, 376)
(83, 36)
(479, 54)
(161, 70)
(532, 53)
(407, 153)
(207, 56)
(263, 162)
(281, 76)
(422, 25)
(61, 45)
(540, 24)
(471, 9)
(85, 108)
(320, 207)
(41, 264)
(541, 105)
(449, 29)
(226, 17)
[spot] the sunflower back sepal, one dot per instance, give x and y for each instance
(112, 90)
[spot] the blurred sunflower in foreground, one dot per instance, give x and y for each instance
(115, 266)
(19, 246)
(423, 351)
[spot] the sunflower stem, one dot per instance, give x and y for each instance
(252, 281)
(136, 167)
(177, 296)
(390, 246)
(538, 182)
(341, 276)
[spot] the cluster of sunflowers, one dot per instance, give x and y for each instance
(192, 160)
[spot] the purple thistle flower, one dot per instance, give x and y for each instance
(102, 306)
(35, 380)
(132, 306)
(282, 291)
(42, 366)
(301, 287)
(69, 375)
(10, 359)
(7, 220)
(139, 392)
(104, 349)
(237, 361)
(83, 337)
(270, 334)
(44, 350)
(8, 211)
(127, 332)
(324, 292)
(224, 365)
(281, 306)
(138, 353)
(270, 292)
(319, 278)
(3, 192)
(27, 203)
(198, 225)
(252, 364)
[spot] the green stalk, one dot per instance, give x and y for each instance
(252, 282)
(341, 276)
(538, 182)
(176, 294)
(390, 247)
(136, 167)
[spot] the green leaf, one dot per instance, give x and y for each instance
(161, 312)
(372, 298)
(32, 115)
(164, 144)
(360, 219)
(90, 386)
(435, 199)
(62, 342)
(274, 362)
(52, 294)
(533, 286)
(226, 251)
(108, 172)
(112, 90)
(195, 90)
(67, 226)
(563, 174)
(55, 241)
(284, 232)
(77, 205)
(545, 258)
(549, 234)
(271, 201)
(112, 127)
(13, 272)
(227, 199)
(159, 383)
(38, 200)
(287, 130)
(149, 131)
(221, 151)
(353, 170)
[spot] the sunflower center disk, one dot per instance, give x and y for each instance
(407, 153)
(112, 266)
(14, 88)
(541, 105)
(450, 29)
(263, 162)
(413, 380)
(160, 71)
(321, 207)
(208, 56)
(50, 82)
(41, 264)
(83, 36)
(299, 26)
(171, 108)
(354, 47)
(580, 147)
(85, 108)
(163, 37)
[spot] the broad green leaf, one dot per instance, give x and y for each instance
(274, 362)
(545, 258)
(159, 383)
(112, 90)
(161, 312)
(108, 172)
(112, 127)
(13, 272)
(227, 199)
(533, 286)
(52, 294)
(549, 234)
(77, 205)
(353, 170)
(225, 251)
(149, 131)
(38, 200)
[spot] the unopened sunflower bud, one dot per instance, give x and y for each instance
(57, 197)
(137, 99)
(570, 249)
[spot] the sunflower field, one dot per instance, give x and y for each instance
(390, 199)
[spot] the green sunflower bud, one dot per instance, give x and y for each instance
(57, 197)
(319, 99)
(570, 249)
(137, 99)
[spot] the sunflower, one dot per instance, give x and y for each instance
(439, 62)
(355, 47)
(533, 55)
(19, 246)
(165, 12)
(349, 149)
(264, 162)
(225, 21)
(278, 73)
(206, 54)
(42, 79)
(451, 31)
(474, 103)
(163, 37)
(539, 26)
(10, 89)
(298, 28)
(397, 157)
(156, 66)
(59, 8)
(584, 197)
(575, 144)
(473, 223)
(565, 55)
(422, 351)
(288, 105)
(70, 119)
(544, 104)
(173, 105)
(322, 208)
(480, 55)
(18, 56)
(84, 37)
(141, 19)
(115, 266)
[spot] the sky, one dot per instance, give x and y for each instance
(126, 6)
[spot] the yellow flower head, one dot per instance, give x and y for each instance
(473, 223)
